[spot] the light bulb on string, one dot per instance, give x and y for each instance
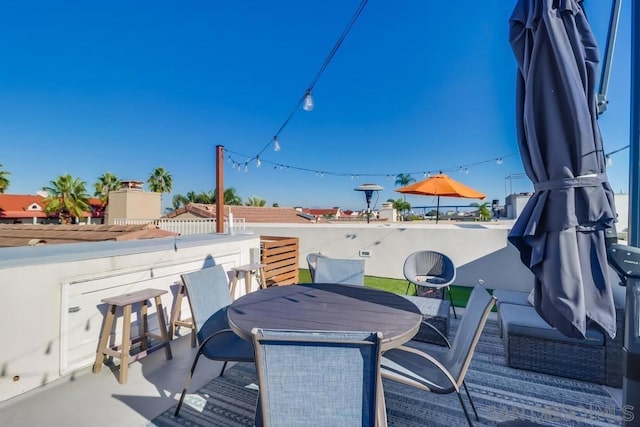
(258, 162)
(609, 161)
(276, 144)
(246, 167)
(308, 102)
(499, 161)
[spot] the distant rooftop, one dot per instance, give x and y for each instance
(12, 235)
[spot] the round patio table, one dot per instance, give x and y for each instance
(326, 307)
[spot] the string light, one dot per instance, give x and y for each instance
(464, 169)
(306, 101)
(608, 157)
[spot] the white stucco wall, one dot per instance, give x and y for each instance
(480, 251)
(51, 311)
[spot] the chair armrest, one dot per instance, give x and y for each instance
(401, 375)
(213, 335)
(440, 334)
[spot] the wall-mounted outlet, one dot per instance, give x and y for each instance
(365, 253)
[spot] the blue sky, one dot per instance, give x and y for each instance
(417, 86)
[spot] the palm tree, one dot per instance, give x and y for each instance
(160, 181)
(483, 211)
(400, 206)
(402, 180)
(67, 198)
(4, 181)
(230, 197)
(206, 197)
(178, 200)
(255, 201)
(106, 182)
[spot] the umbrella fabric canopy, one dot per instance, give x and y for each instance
(441, 185)
(561, 232)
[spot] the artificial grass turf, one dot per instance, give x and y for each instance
(460, 294)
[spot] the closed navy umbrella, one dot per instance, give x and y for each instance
(561, 232)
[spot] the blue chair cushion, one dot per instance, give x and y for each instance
(227, 345)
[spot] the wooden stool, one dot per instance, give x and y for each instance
(176, 322)
(126, 301)
(248, 270)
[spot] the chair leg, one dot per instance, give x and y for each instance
(186, 385)
(471, 400)
(224, 365)
(408, 286)
(464, 408)
(453, 307)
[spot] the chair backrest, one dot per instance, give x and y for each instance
(464, 344)
(312, 258)
(208, 292)
(429, 264)
(319, 378)
(343, 271)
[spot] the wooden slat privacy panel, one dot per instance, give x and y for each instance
(280, 254)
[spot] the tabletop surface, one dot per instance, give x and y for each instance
(321, 306)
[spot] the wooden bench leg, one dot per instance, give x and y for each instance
(144, 324)
(104, 338)
(234, 282)
(126, 344)
(175, 317)
(262, 279)
(247, 282)
(163, 328)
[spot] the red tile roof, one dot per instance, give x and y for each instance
(251, 214)
(28, 206)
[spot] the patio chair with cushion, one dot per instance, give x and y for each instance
(209, 297)
(318, 378)
(443, 373)
(431, 273)
(311, 263)
(343, 271)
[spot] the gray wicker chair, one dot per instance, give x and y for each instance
(443, 373)
(431, 273)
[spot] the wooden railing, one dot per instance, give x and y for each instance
(280, 254)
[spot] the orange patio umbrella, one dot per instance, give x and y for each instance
(441, 185)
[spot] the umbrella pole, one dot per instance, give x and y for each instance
(437, 209)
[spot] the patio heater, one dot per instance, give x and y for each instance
(368, 192)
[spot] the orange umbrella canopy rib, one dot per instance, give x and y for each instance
(443, 186)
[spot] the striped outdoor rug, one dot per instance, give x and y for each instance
(499, 393)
